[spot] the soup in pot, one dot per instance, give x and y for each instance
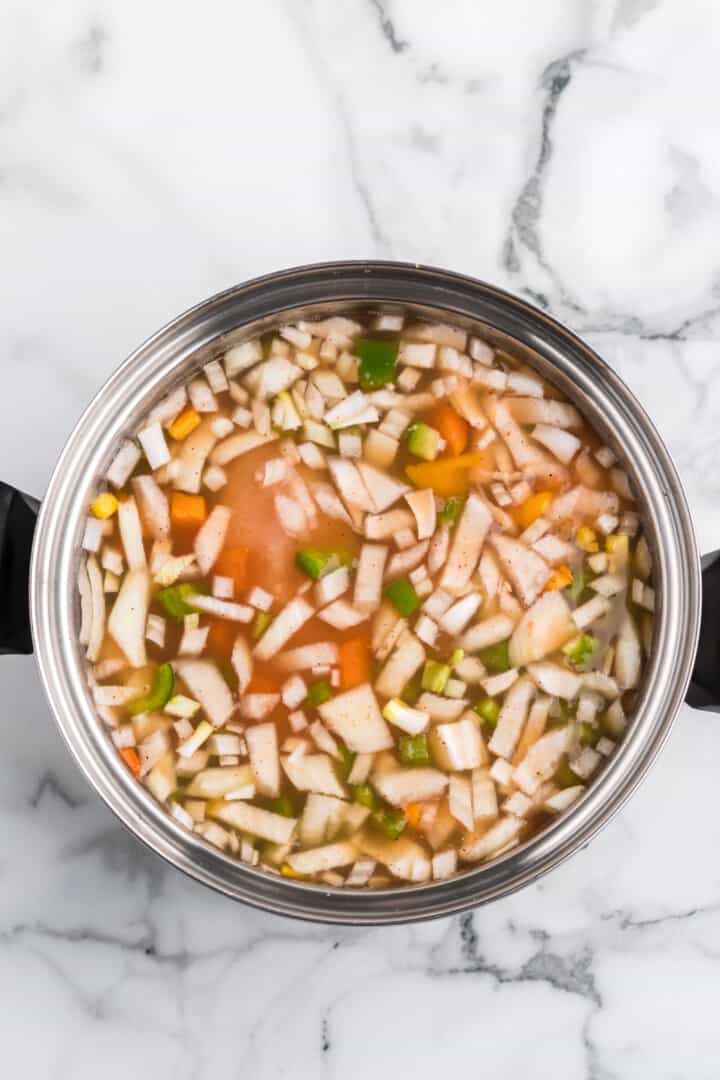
(366, 602)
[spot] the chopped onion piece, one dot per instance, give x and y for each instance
(489, 843)
(467, 544)
(207, 686)
(210, 538)
(342, 615)
(402, 786)
(356, 718)
(252, 819)
(125, 460)
(441, 708)
(306, 657)
(460, 800)
(555, 679)
(400, 667)
(222, 609)
(458, 746)
(513, 715)
(369, 577)
(413, 721)
(264, 758)
(590, 612)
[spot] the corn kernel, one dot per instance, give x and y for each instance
(186, 422)
(586, 539)
(104, 506)
(287, 871)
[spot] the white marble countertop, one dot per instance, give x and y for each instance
(153, 154)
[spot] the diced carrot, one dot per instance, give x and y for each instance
(453, 428)
(183, 424)
(561, 578)
(221, 637)
(129, 756)
(354, 663)
(232, 563)
(413, 812)
(447, 476)
(533, 508)
(262, 683)
(187, 511)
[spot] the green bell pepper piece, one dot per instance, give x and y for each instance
(377, 362)
(159, 693)
(414, 750)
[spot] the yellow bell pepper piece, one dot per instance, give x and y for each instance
(586, 538)
(447, 476)
(561, 578)
(104, 506)
(618, 548)
(182, 425)
(533, 508)
(287, 871)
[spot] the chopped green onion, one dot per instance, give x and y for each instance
(581, 648)
(175, 598)
(364, 794)
(261, 623)
(402, 596)
(452, 510)
(158, 695)
(435, 676)
(488, 710)
(347, 760)
(392, 822)
(283, 805)
(423, 441)
(414, 749)
(456, 656)
(318, 693)
(377, 366)
(496, 658)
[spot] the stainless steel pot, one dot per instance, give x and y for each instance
(206, 331)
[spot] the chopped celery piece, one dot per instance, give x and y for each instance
(578, 592)
(347, 760)
(435, 676)
(402, 596)
(261, 623)
(377, 366)
(488, 710)
(588, 734)
(283, 805)
(414, 749)
(456, 657)
(175, 599)
(452, 510)
(581, 648)
(496, 658)
(159, 693)
(392, 822)
(318, 693)
(413, 689)
(423, 441)
(564, 776)
(364, 794)
(316, 563)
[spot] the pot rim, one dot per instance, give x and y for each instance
(205, 330)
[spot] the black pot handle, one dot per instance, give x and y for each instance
(704, 689)
(18, 514)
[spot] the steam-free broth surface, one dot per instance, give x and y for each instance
(365, 602)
